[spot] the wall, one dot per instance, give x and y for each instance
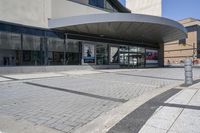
(37, 12)
(66, 8)
(149, 7)
(175, 53)
(26, 12)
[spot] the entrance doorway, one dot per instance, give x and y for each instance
(133, 60)
(131, 57)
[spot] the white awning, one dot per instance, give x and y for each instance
(126, 26)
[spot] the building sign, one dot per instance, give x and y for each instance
(88, 53)
(151, 57)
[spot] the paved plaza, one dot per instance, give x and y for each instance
(67, 101)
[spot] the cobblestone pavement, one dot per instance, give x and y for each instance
(68, 101)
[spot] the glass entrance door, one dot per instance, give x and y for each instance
(124, 59)
(141, 61)
(133, 60)
(123, 56)
(132, 57)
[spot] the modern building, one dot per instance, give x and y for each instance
(82, 32)
(176, 51)
(148, 7)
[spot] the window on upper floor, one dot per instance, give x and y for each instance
(108, 6)
(182, 41)
(103, 4)
(97, 3)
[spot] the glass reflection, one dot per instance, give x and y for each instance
(102, 54)
(114, 55)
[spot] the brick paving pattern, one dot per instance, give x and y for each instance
(65, 111)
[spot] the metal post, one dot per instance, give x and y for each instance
(188, 72)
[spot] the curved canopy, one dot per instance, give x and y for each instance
(125, 26)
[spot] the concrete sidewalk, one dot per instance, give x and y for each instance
(179, 114)
(166, 111)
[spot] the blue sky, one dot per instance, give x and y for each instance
(180, 9)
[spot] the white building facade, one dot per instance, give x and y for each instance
(148, 7)
(81, 32)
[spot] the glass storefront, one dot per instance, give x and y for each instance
(114, 55)
(32, 50)
(10, 49)
(56, 49)
(141, 57)
(102, 54)
(123, 55)
(132, 56)
(73, 52)
(22, 49)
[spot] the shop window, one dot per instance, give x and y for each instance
(73, 52)
(56, 49)
(141, 57)
(124, 55)
(32, 50)
(114, 54)
(97, 3)
(102, 54)
(141, 50)
(123, 49)
(108, 6)
(182, 41)
(10, 49)
(133, 49)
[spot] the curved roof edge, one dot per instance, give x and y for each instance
(164, 23)
(113, 17)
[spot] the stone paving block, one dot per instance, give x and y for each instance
(167, 113)
(196, 100)
(184, 97)
(187, 123)
(150, 129)
(191, 113)
(54, 108)
(160, 123)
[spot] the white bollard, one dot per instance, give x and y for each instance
(188, 72)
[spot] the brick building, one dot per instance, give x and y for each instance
(175, 52)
